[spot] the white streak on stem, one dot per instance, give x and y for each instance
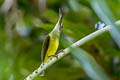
(67, 50)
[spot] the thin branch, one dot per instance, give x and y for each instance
(67, 50)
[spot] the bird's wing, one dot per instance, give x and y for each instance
(45, 47)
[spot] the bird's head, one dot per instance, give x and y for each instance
(58, 27)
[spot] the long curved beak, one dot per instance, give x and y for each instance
(60, 16)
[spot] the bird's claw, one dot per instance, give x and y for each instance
(53, 56)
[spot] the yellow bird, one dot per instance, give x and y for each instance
(51, 42)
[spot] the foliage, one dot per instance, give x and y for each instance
(24, 26)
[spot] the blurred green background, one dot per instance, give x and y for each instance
(25, 23)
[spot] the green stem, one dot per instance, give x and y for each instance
(67, 50)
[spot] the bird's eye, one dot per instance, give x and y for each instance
(61, 27)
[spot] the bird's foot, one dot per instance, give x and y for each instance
(53, 56)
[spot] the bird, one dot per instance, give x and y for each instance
(51, 42)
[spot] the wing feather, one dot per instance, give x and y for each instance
(45, 47)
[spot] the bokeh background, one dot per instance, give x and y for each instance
(25, 23)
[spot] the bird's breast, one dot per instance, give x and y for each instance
(54, 43)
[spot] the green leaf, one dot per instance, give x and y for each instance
(89, 65)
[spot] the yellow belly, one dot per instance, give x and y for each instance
(53, 46)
